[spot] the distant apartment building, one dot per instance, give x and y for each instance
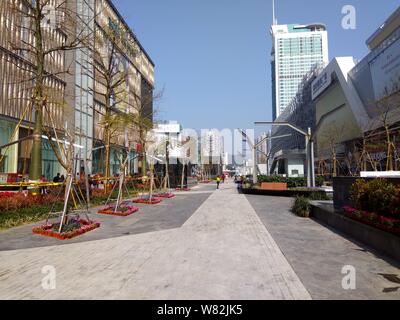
(74, 87)
(296, 49)
(212, 151)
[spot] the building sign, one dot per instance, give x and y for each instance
(168, 128)
(319, 85)
(385, 71)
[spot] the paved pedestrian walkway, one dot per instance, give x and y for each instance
(318, 255)
(222, 252)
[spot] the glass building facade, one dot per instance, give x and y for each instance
(297, 49)
(84, 82)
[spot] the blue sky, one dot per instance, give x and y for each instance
(213, 56)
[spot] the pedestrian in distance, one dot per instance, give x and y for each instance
(57, 178)
(43, 190)
(218, 182)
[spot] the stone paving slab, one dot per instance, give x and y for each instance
(318, 254)
(222, 252)
(170, 214)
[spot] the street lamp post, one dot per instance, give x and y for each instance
(309, 148)
(254, 147)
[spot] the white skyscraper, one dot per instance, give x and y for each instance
(296, 49)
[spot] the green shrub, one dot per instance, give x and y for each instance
(319, 181)
(318, 196)
(302, 207)
(291, 182)
(377, 195)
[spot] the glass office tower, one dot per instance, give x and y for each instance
(297, 49)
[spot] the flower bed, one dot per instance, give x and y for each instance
(381, 222)
(7, 194)
(73, 229)
(165, 195)
(123, 211)
(184, 189)
(146, 200)
(11, 201)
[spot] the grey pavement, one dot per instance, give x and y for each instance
(222, 252)
(318, 254)
(170, 214)
(203, 244)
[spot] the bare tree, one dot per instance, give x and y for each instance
(48, 30)
(388, 112)
(331, 139)
(112, 76)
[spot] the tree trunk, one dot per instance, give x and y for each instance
(151, 183)
(389, 163)
(107, 158)
(183, 176)
(166, 182)
(36, 153)
(334, 167)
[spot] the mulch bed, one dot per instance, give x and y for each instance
(184, 189)
(166, 195)
(110, 210)
(48, 230)
(154, 200)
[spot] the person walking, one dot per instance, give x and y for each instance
(218, 182)
(43, 189)
(57, 178)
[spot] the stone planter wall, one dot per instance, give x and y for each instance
(342, 187)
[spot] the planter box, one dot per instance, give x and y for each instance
(47, 230)
(376, 221)
(274, 186)
(165, 195)
(342, 187)
(110, 210)
(184, 189)
(147, 201)
(384, 242)
(289, 193)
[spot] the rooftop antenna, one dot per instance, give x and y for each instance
(274, 21)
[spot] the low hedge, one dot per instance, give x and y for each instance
(290, 193)
(36, 213)
(17, 210)
(291, 182)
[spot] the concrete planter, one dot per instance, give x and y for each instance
(165, 195)
(110, 210)
(290, 193)
(47, 230)
(147, 201)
